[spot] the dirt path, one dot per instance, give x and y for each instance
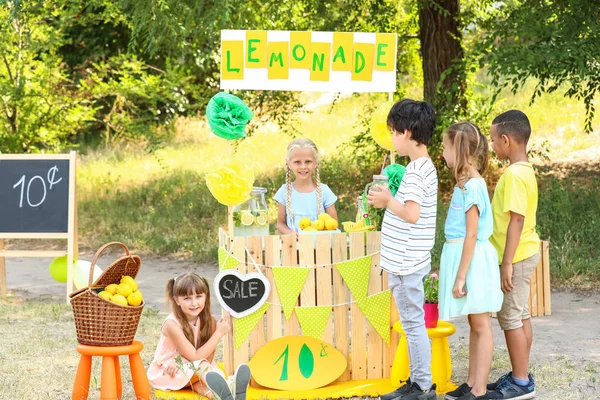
(565, 354)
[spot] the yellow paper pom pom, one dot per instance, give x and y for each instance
(378, 127)
(231, 183)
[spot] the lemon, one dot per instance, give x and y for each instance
(331, 224)
(112, 288)
(304, 223)
(117, 298)
(262, 218)
(129, 281)
(135, 298)
(105, 295)
(124, 290)
(318, 224)
(247, 218)
(324, 217)
(309, 229)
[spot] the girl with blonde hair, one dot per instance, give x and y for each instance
(306, 196)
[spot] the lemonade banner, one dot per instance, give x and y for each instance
(356, 275)
(289, 282)
(243, 326)
(308, 61)
(313, 320)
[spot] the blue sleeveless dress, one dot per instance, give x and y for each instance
(484, 293)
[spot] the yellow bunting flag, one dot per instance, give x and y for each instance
(243, 326)
(356, 275)
(289, 282)
(232, 59)
(377, 310)
(362, 62)
(226, 260)
(313, 320)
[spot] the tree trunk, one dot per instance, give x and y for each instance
(441, 48)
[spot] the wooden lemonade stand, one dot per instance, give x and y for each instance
(334, 276)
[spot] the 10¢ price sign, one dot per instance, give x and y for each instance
(37, 201)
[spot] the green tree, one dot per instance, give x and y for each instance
(557, 42)
(39, 110)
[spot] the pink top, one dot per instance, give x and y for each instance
(165, 353)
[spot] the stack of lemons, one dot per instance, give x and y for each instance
(125, 293)
(324, 222)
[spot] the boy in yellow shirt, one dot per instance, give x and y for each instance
(514, 209)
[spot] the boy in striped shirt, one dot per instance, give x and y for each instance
(407, 236)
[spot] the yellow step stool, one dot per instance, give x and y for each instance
(441, 363)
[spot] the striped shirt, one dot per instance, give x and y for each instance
(405, 247)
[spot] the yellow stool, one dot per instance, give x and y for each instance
(441, 364)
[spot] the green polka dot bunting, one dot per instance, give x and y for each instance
(243, 326)
(313, 320)
(226, 260)
(289, 282)
(377, 310)
(356, 275)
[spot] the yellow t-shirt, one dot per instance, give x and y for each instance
(516, 191)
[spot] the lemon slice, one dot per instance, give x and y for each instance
(262, 218)
(247, 218)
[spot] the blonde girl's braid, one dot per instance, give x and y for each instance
(319, 193)
(288, 193)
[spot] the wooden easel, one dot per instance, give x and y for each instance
(71, 234)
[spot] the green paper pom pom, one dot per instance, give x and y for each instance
(227, 116)
(394, 172)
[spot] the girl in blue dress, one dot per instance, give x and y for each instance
(469, 274)
(306, 196)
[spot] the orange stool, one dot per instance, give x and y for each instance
(110, 383)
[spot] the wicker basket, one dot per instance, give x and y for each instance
(98, 321)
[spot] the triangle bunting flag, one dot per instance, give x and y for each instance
(289, 282)
(356, 275)
(313, 320)
(226, 260)
(377, 310)
(243, 326)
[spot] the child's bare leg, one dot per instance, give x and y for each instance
(528, 333)
(472, 352)
(481, 326)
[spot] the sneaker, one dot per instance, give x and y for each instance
(242, 379)
(416, 393)
(398, 393)
(456, 393)
(218, 385)
(499, 382)
(510, 390)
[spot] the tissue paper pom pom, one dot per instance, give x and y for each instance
(232, 183)
(227, 116)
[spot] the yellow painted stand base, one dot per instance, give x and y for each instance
(364, 388)
(441, 364)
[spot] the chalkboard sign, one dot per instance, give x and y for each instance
(241, 294)
(34, 195)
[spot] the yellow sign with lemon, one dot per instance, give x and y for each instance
(297, 363)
